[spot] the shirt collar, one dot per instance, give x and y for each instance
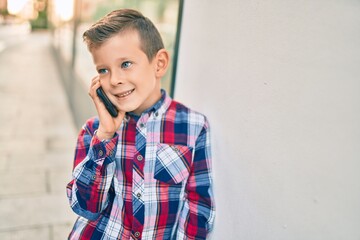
(159, 107)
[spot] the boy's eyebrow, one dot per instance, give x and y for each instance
(120, 59)
(99, 65)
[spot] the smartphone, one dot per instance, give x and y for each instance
(109, 105)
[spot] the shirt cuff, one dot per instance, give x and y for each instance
(101, 149)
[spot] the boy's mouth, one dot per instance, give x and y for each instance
(124, 94)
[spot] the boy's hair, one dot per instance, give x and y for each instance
(122, 20)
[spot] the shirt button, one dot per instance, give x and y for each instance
(142, 125)
(137, 234)
(138, 195)
(94, 177)
(175, 149)
(156, 114)
(101, 153)
(139, 157)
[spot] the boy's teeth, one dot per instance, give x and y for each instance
(125, 94)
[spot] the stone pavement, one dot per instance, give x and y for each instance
(37, 139)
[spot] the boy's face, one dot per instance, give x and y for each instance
(126, 75)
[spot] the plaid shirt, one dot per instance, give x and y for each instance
(152, 180)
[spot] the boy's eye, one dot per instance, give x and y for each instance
(102, 71)
(126, 64)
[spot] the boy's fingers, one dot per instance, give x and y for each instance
(102, 111)
(95, 80)
(94, 85)
(92, 92)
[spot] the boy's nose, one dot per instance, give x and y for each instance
(116, 80)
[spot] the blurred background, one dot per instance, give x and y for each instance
(45, 71)
(277, 79)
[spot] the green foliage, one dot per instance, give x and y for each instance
(4, 12)
(104, 9)
(111, 5)
(41, 22)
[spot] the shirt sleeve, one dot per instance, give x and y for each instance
(198, 214)
(94, 167)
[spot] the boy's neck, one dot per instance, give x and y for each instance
(159, 98)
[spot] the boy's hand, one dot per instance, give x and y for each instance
(108, 124)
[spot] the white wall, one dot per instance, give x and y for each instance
(280, 84)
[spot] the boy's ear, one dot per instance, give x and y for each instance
(161, 62)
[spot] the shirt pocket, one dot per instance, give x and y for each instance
(173, 162)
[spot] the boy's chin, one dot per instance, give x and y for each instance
(127, 109)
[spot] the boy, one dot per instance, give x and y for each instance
(145, 174)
